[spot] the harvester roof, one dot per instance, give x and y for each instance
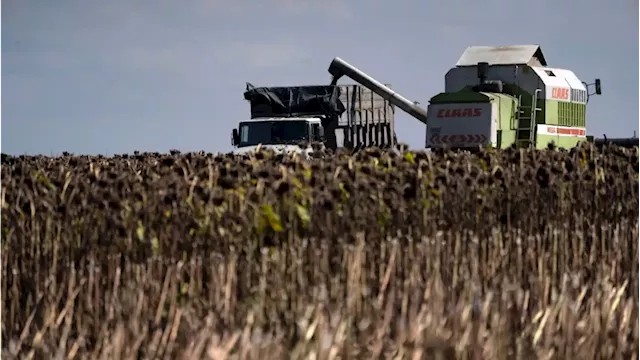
(503, 55)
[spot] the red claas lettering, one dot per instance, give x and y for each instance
(457, 113)
(560, 93)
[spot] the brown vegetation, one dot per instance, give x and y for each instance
(498, 255)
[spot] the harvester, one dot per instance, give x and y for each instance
(496, 96)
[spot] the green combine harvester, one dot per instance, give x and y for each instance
(498, 97)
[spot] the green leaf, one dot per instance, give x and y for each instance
(42, 177)
(345, 193)
(272, 218)
(155, 245)
(296, 183)
(303, 214)
(140, 231)
(409, 157)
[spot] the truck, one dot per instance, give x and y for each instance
(292, 118)
(496, 96)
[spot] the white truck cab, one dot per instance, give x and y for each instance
(281, 134)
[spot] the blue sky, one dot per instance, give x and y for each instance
(122, 75)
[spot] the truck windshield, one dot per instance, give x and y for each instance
(273, 132)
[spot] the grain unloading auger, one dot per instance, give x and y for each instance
(496, 96)
(339, 67)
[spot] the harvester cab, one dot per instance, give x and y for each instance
(508, 95)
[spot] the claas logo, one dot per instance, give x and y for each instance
(458, 113)
(560, 93)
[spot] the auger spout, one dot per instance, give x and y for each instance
(339, 67)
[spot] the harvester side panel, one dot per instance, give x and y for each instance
(562, 136)
(565, 97)
(520, 81)
(462, 125)
(506, 131)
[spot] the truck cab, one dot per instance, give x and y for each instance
(281, 134)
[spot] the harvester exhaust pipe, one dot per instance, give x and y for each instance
(339, 67)
(483, 70)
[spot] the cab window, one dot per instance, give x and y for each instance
(244, 133)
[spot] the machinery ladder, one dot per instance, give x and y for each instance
(526, 120)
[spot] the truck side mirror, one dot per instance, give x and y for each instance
(320, 133)
(598, 88)
(235, 138)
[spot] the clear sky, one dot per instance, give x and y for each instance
(89, 76)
